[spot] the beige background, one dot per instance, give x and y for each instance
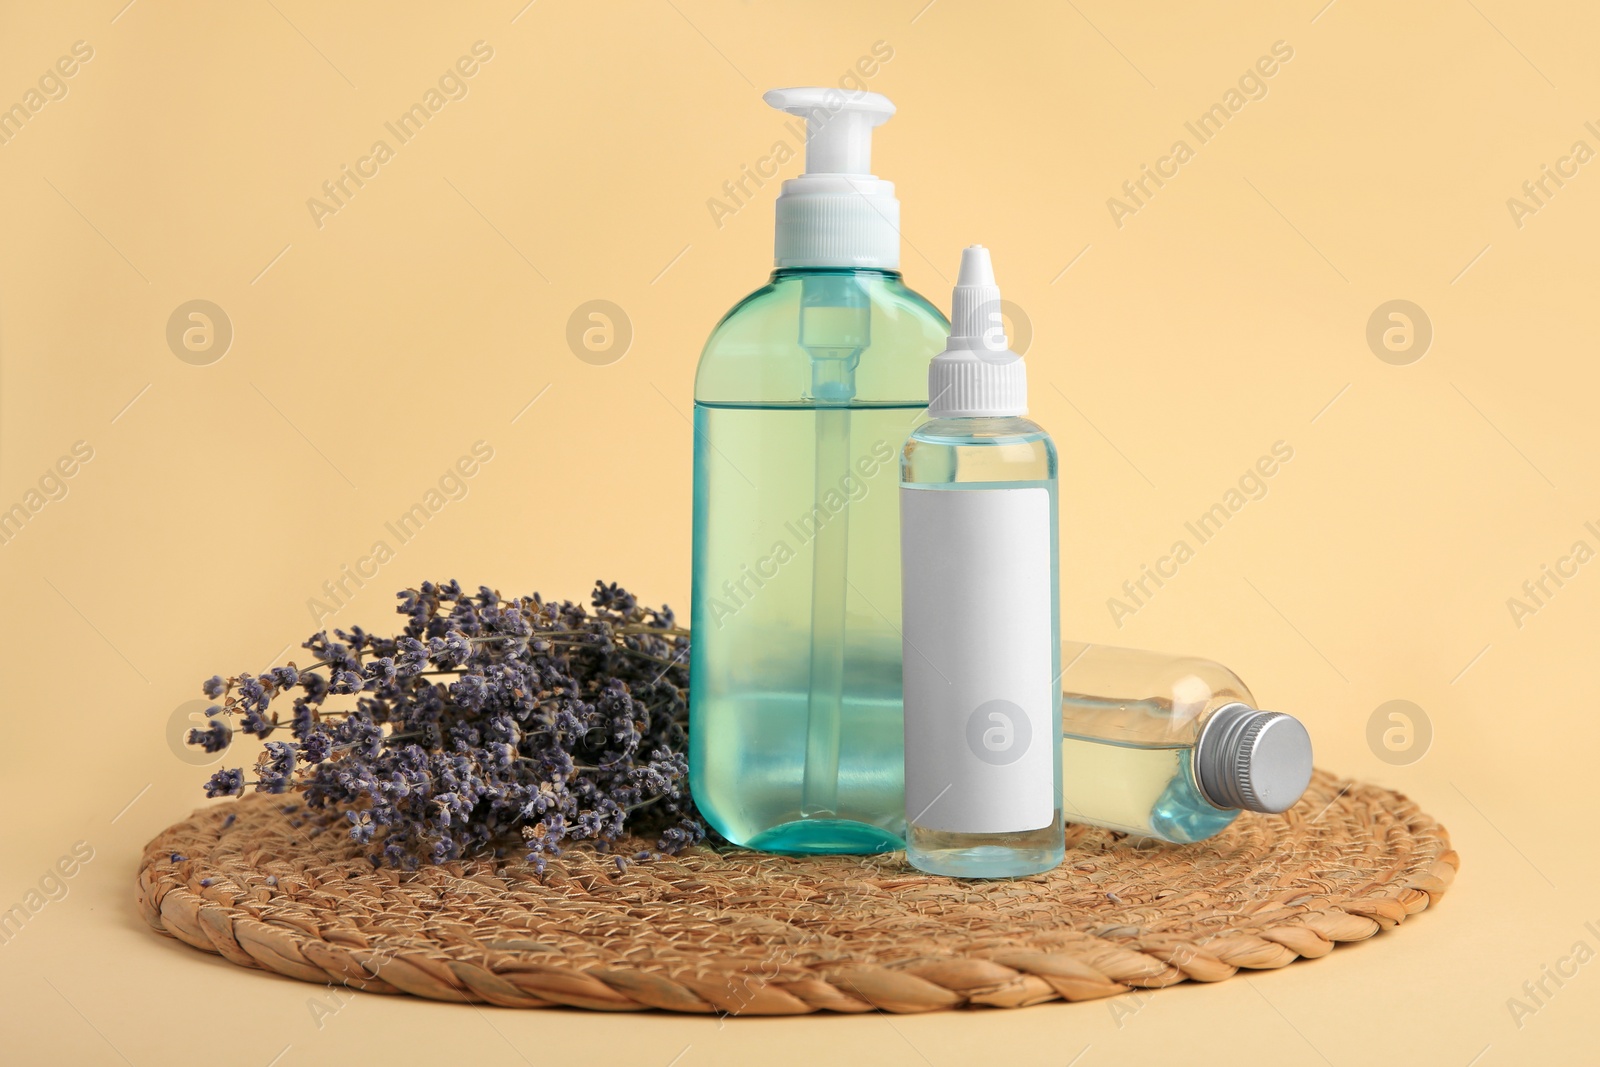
(1228, 313)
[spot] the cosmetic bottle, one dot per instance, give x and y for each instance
(804, 393)
(981, 640)
(1170, 747)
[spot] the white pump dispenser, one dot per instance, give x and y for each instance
(977, 374)
(837, 214)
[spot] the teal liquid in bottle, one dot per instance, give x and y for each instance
(804, 393)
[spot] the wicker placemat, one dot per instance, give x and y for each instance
(746, 933)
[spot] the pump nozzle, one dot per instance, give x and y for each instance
(837, 214)
(838, 126)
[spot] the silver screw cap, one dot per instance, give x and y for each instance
(1255, 760)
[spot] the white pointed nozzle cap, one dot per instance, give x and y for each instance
(837, 214)
(976, 267)
(977, 375)
(975, 304)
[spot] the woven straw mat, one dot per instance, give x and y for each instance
(736, 932)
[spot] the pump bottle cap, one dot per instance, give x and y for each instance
(1255, 760)
(977, 374)
(837, 214)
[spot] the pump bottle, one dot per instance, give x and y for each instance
(981, 639)
(1171, 747)
(805, 391)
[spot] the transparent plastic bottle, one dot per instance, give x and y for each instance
(1170, 747)
(804, 393)
(979, 536)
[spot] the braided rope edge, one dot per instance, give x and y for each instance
(1098, 967)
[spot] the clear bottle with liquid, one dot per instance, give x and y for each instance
(1170, 747)
(804, 393)
(978, 552)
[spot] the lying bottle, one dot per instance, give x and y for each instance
(1170, 747)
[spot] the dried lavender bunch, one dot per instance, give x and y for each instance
(486, 721)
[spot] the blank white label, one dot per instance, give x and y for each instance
(979, 696)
